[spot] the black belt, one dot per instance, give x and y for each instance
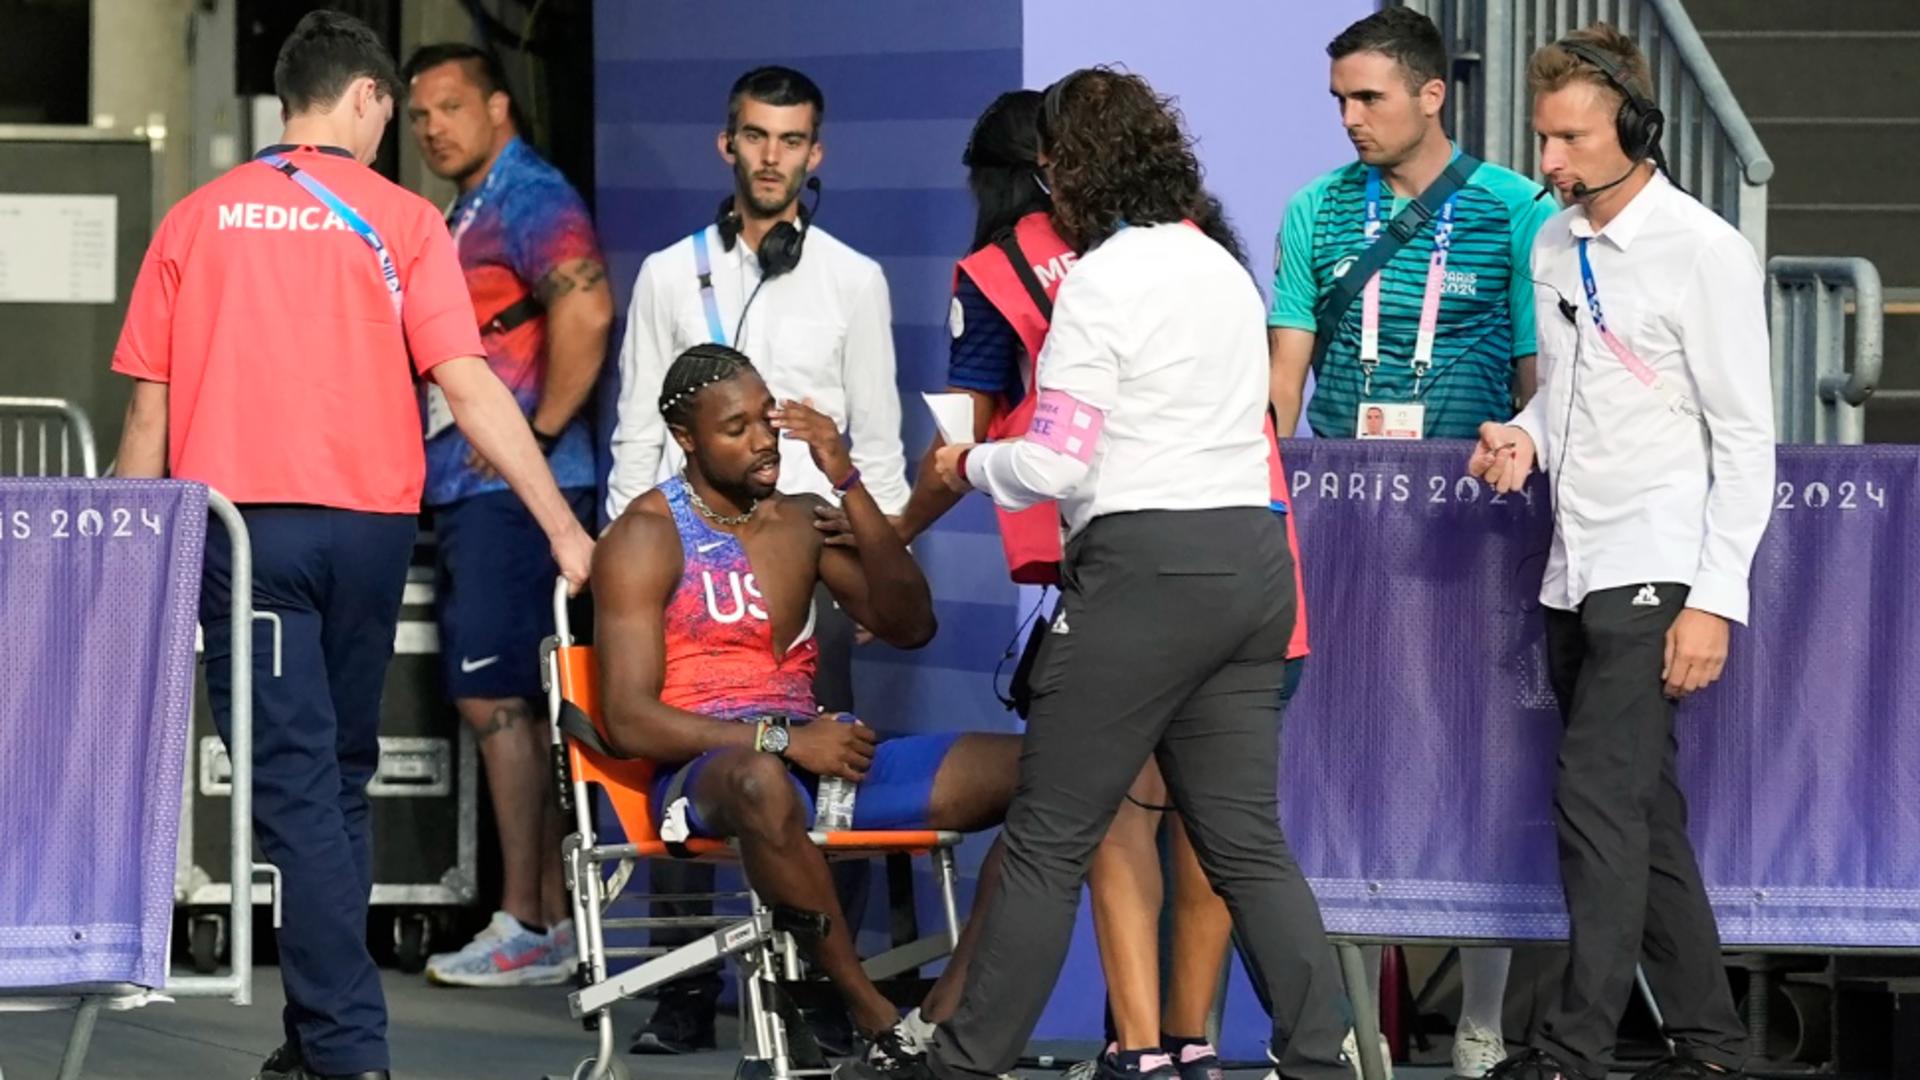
(517, 314)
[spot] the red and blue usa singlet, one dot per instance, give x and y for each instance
(720, 655)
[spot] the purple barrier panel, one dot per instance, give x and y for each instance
(99, 586)
(1419, 752)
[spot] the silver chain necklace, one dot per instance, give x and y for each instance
(717, 518)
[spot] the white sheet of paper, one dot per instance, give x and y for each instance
(953, 414)
(57, 249)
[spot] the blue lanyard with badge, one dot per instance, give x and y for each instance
(1640, 369)
(472, 209)
(439, 413)
(1388, 419)
(389, 273)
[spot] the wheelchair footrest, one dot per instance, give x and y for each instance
(718, 945)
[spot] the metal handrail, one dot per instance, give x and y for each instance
(1755, 165)
(1710, 144)
(1818, 395)
(76, 425)
(237, 984)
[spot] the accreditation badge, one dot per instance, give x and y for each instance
(1390, 420)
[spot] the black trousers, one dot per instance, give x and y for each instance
(1170, 640)
(1632, 883)
(833, 691)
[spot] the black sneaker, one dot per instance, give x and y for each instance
(884, 1065)
(283, 1064)
(680, 1024)
(1197, 1061)
(286, 1064)
(1140, 1065)
(1531, 1064)
(1685, 1068)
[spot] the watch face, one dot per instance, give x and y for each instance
(775, 740)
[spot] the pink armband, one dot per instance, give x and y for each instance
(1066, 425)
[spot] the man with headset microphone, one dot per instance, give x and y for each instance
(814, 314)
(1655, 419)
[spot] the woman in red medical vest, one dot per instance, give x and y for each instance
(1002, 305)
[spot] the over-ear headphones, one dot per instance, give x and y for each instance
(781, 248)
(1050, 104)
(1639, 122)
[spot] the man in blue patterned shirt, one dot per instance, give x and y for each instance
(540, 298)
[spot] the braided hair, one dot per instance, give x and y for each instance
(694, 371)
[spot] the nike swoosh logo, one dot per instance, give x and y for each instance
(702, 549)
(505, 961)
(468, 667)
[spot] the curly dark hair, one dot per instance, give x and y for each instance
(1121, 156)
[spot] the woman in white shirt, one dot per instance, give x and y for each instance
(1177, 587)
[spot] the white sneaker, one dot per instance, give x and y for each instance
(1351, 1048)
(1476, 1050)
(505, 953)
(560, 940)
(915, 1032)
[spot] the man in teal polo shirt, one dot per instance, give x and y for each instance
(1389, 76)
(1378, 376)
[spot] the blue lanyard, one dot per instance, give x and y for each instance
(472, 209)
(389, 273)
(1623, 352)
(1592, 288)
(703, 264)
(1442, 230)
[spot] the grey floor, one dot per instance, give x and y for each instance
(437, 1034)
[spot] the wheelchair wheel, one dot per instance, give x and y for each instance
(412, 937)
(615, 1070)
(753, 1069)
(203, 943)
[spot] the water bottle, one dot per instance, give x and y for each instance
(833, 804)
(833, 798)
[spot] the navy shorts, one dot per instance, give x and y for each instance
(494, 592)
(897, 793)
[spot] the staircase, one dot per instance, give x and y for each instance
(1833, 90)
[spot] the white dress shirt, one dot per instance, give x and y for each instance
(1163, 333)
(1643, 491)
(823, 331)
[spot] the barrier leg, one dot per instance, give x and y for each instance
(1366, 1016)
(1653, 1005)
(79, 1039)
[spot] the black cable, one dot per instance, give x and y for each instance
(1566, 427)
(748, 306)
(1013, 648)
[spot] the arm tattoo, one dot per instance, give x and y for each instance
(580, 274)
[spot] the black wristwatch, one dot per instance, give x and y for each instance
(545, 441)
